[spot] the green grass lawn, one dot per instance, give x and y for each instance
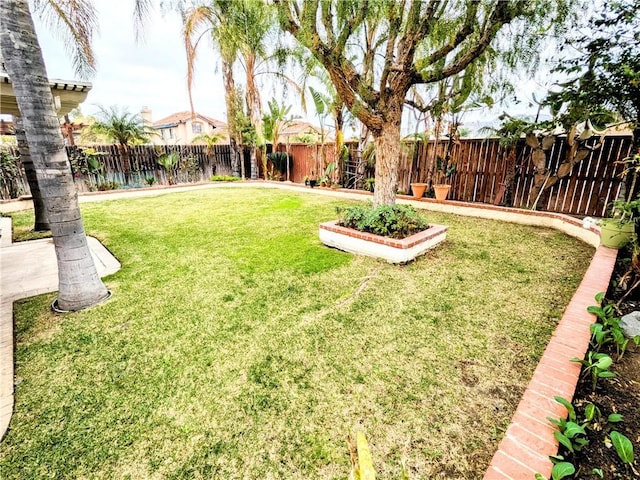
(237, 346)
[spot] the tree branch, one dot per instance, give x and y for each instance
(500, 16)
(461, 36)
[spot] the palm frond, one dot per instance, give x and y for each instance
(74, 22)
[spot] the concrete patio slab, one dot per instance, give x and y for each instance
(28, 269)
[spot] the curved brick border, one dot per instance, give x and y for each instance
(528, 441)
(529, 438)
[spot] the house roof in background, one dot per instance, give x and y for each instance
(182, 117)
(298, 127)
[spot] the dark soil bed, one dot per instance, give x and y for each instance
(620, 394)
(617, 395)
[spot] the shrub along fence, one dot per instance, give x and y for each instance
(196, 163)
(479, 170)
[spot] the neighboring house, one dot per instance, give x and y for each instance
(182, 127)
(303, 132)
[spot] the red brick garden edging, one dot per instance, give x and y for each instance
(528, 442)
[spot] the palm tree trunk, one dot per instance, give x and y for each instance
(254, 106)
(237, 164)
(79, 283)
(41, 224)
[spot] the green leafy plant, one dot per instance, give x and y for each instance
(596, 364)
(189, 168)
(369, 184)
(9, 173)
(108, 185)
(395, 221)
(279, 161)
(614, 418)
(607, 329)
(593, 417)
(623, 446)
(625, 211)
(223, 178)
(560, 470)
(570, 433)
(150, 180)
(169, 161)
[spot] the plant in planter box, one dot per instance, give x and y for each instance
(394, 221)
(617, 231)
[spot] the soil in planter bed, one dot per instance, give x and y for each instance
(620, 394)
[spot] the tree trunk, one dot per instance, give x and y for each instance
(253, 97)
(229, 99)
(254, 162)
(41, 224)
(387, 143)
(79, 283)
(126, 162)
(255, 116)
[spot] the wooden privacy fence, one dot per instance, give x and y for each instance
(481, 170)
(481, 167)
(309, 160)
(196, 164)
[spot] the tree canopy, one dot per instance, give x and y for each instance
(119, 126)
(375, 50)
(604, 77)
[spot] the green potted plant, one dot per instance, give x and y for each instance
(444, 171)
(617, 231)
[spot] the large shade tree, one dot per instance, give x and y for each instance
(79, 283)
(374, 51)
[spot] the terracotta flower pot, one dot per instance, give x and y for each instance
(441, 191)
(418, 189)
